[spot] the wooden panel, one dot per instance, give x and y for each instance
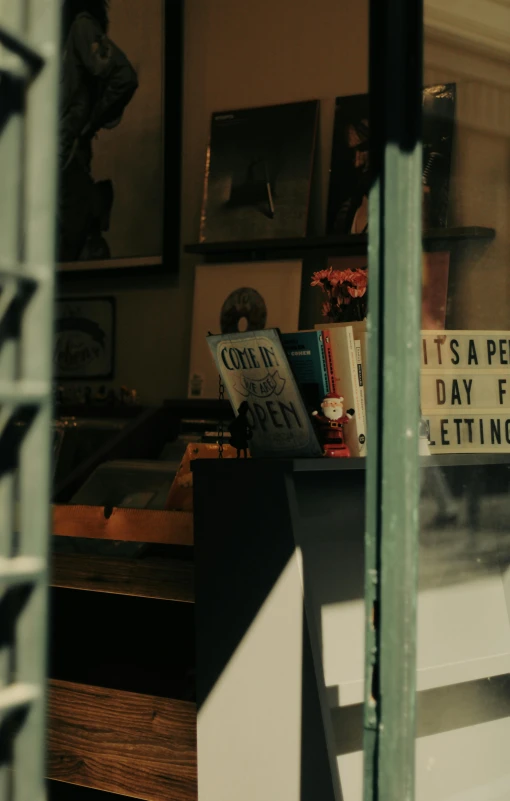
(127, 525)
(137, 745)
(346, 245)
(166, 579)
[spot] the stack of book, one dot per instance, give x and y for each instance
(330, 359)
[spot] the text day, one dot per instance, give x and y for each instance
(458, 392)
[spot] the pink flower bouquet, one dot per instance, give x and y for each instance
(345, 291)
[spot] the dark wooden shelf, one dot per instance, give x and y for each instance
(208, 466)
(136, 745)
(113, 267)
(163, 526)
(160, 578)
(353, 244)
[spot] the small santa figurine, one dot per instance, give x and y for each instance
(331, 425)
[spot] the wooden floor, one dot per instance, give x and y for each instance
(118, 742)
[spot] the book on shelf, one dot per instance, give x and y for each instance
(346, 377)
(307, 358)
(359, 329)
(361, 379)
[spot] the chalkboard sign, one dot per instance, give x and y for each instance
(254, 368)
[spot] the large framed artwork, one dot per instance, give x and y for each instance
(120, 134)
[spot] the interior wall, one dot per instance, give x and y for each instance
(480, 184)
(237, 54)
(255, 52)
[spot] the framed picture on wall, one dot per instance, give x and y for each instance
(258, 172)
(84, 338)
(231, 298)
(350, 175)
(120, 134)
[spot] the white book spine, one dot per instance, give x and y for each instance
(361, 389)
(360, 426)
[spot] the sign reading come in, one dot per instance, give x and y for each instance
(254, 369)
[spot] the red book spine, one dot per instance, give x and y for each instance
(330, 365)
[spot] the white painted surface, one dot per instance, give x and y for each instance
(249, 729)
(468, 764)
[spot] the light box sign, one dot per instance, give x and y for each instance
(480, 389)
(458, 350)
(254, 368)
(455, 432)
(465, 390)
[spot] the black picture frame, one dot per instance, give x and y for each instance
(172, 106)
(107, 374)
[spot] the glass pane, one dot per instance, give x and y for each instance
(463, 687)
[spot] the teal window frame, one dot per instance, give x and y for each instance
(392, 496)
(29, 56)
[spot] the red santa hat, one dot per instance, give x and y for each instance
(333, 396)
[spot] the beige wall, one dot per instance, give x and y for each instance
(250, 52)
(238, 53)
(480, 188)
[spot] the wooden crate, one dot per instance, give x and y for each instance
(128, 525)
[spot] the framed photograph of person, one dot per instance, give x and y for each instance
(120, 134)
(350, 173)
